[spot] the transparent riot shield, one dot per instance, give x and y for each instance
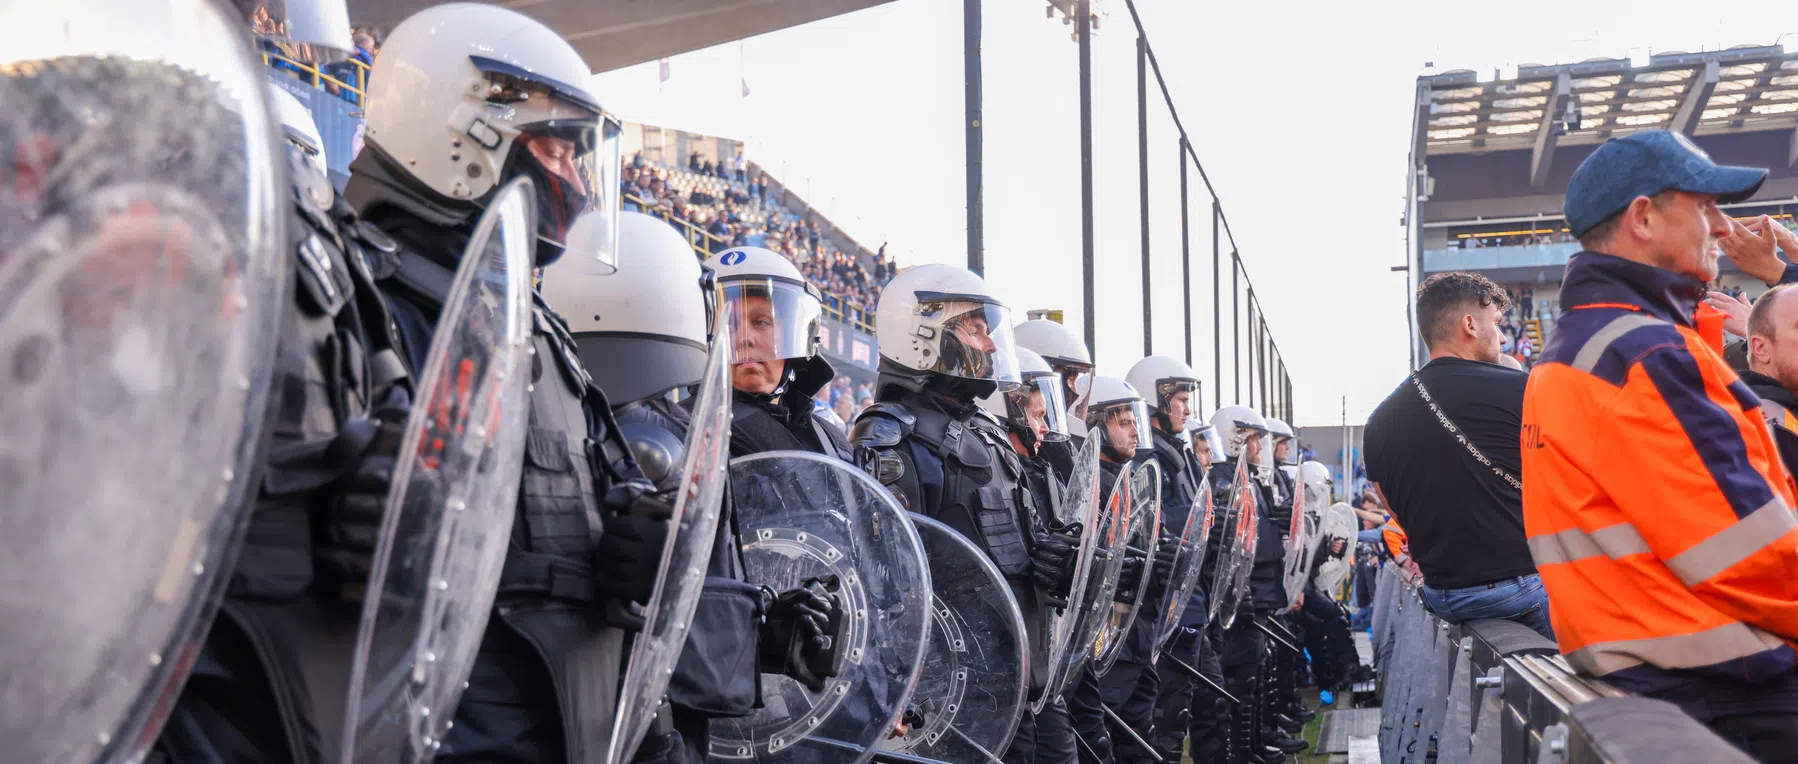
(1297, 545)
(449, 512)
(801, 517)
(1237, 550)
(144, 275)
(1141, 534)
(693, 528)
(1189, 560)
(972, 690)
(1338, 523)
(1096, 581)
(1079, 505)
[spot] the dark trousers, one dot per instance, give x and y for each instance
(1087, 713)
(1769, 738)
(1045, 737)
(1187, 707)
(1241, 650)
(1332, 648)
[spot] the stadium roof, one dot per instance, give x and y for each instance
(1742, 89)
(612, 34)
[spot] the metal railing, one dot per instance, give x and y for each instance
(707, 244)
(318, 77)
(1496, 692)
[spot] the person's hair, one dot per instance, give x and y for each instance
(1445, 297)
(1760, 318)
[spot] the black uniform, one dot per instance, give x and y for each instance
(930, 445)
(1132, 684)
(1280, 701)
(1051, 731)
(1241, 647)
(761, 423)
(284, 614)
(1187, 707)
(550, 661)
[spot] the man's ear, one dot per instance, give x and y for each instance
(1467, 325)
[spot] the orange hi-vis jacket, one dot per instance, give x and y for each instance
(1658, 511)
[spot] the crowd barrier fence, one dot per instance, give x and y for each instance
(1496, 692)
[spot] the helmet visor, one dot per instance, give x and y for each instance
(1039, 405)
(1179, 396)
(1124, 425)
(975, 340)
(571, 154)
(770, 319)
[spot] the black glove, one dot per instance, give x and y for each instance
(1052, 559)
(802, 633)
(1134, 561)
(628, 554)
(1165, 552)
(345, 551)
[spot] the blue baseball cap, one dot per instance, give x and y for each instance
(1645, 164)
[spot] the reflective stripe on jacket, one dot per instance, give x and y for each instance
(1657, 508)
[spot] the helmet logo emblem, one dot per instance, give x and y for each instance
(733, 258)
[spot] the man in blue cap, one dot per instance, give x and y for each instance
(1657, 508)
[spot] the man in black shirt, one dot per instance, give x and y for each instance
(1458, 497)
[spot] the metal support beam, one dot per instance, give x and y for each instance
(1251, 340)
(1549, 130)
(1186, 258)
(1698, 95)
(1217, 312)
(1142, 154)
(1083, 27)
(972, 98)
(1236, 324)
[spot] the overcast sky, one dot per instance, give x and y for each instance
(1298, 110)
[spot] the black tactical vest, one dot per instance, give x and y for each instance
(758, 427)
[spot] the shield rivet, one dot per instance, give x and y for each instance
(229, 474)
(155, 659)
(442, 584)
(458, 505)
(741, 751)
(243, 383)
(803, 536)
(199, 568)
(430, 657)
(957, 644)
(842, 689)
(105, 738)
(423, 711)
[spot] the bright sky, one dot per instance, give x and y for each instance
(1298, 110)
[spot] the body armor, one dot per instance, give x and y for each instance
(577, 466)
(954, 466)
(271, 675)
(758, 426)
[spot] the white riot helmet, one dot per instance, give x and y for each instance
(773, 311)
(1117, 415)
(1316, 479)
(1280, 431)
(300, 130)
(1236, 426)
(464, 97)
(1163, 381)
(1037, 407)
(942, 319)
(641, 328)
(1065, 352)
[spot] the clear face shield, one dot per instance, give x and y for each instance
(975, 340)
(1286, 451)
(1077, 381)
(770, 319)
(1124, 427)
(570, 151)
(1178, 400)
(1039, 405)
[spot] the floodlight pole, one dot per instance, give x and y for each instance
(1186, 259)
(1083, 27)
(1142, 157)
(971, 75)
(1217, 312)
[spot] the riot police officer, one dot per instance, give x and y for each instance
(1117, 415)
(587, 535)
(644, 327)
(344, 391)
(776, 368)
(945, 343)
(1285, 664)
(1034, 416)
(1185, 707)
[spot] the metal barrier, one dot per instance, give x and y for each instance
(1496, 692)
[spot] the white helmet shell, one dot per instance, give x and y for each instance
(645, 323)
(1108, 397)
(1159, 378)
(300, 129)
(944, 320)
(1316, 478)
(1056, 343)
(1278, 430)
(1235, 425)
(456, 87)
(774, 312)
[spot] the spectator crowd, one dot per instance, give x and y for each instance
(736, 209)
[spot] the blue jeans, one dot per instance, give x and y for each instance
(1520, 599)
